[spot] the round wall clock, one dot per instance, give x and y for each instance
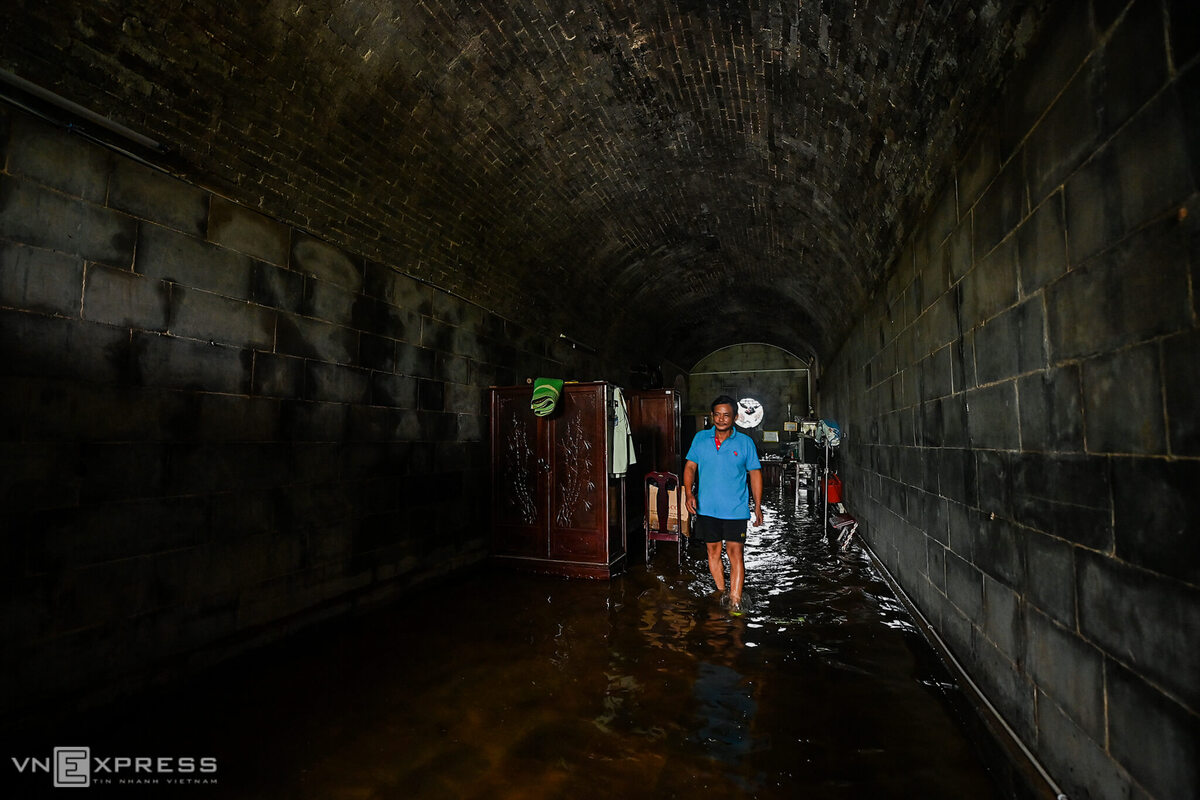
(750, 413)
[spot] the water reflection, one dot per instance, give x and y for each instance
(502, 684)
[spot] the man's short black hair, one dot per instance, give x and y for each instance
(724, 400)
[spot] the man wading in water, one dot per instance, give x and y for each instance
(724, 457)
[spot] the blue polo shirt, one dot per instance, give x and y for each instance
(722, 491)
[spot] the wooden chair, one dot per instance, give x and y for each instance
(666, 518)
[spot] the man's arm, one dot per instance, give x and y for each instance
(756, 492)
(689, 485)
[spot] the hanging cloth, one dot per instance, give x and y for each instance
(622, 455)
(828, 433)
(546, 392)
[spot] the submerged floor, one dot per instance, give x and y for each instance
(506, 685)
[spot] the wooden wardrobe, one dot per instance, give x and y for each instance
(555, 507)
(654, 416)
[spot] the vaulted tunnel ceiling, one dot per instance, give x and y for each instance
(679, 174)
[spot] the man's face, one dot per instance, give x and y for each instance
(723, 416)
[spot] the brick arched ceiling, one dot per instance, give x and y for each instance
(682, 174)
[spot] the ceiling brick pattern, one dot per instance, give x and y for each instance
(676, 173)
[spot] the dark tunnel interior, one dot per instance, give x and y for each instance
(561, 166)
(262, 266)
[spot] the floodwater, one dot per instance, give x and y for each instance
(501, 684)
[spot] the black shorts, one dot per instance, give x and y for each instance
(713, 530)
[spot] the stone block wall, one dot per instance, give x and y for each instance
(1022, 408)
(215, 428)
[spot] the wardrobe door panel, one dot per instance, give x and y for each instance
(578, 479)
(520, 468)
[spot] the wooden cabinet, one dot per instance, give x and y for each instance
(555, 507)
(654, 418)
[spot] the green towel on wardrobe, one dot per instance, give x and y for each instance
(546, 392)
